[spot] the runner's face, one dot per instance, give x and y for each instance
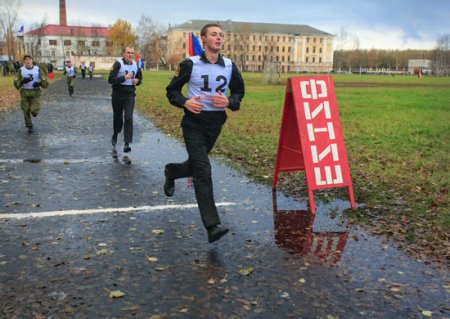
(128, 55)
(28, 62)
(214, 39)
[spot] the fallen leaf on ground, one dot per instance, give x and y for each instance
(246, 271)
(116, 294)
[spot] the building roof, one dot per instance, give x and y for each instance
(77, 31)
(254, 27)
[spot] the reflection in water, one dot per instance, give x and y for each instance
(294, 231)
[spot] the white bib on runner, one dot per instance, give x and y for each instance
(207, 79)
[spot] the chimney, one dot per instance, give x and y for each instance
(62, 12)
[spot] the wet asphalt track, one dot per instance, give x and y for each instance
(116, 231)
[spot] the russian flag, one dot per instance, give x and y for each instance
(21, 29)
(195, 47)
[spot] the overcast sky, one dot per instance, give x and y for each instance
(380, 24)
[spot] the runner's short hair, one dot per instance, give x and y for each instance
(206, 26)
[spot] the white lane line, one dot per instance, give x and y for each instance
(54, 161)
(60, 213)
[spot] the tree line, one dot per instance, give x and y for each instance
(394, 60)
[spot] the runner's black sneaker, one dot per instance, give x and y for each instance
(126, 148)
(215, 233)
(169, 185)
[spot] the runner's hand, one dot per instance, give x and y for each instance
(193, 105)
(219, 100)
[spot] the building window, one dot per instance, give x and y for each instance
(320, 60)
(284, 49)
(278, 49)
(81, 43)
(52, 42)
(278, 38)
(68, 53)
(259, 58)
(253, 58)
(284, 39)
(320, 50)
(67, 42)
(271, 48)
(53, 53)
(109, 44)
(39, 42)
(307, 40)
(96, 43)
(289, 59)
(314, 40)
(321, 40)
(278, 58)
(307, 50)
(314, 60)
(306, 60)
(184, 45)
(314, 49)
(254, 47)
(289, 49)
(259, 49)
(247, 57)
(282, 58)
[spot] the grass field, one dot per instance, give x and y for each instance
(396, 132)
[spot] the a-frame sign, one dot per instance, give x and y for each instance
(311, 137)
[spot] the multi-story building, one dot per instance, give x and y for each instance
(58, 43)
(254, 47)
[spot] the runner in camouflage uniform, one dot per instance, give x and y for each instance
(29, 79)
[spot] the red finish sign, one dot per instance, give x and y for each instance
(311, 137)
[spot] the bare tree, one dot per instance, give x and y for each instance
(342, 40)
(151, 42)
(8, 16)
(441, 61)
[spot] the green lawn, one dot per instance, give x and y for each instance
(396, 131)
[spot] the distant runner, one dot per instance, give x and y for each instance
(29, 80)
